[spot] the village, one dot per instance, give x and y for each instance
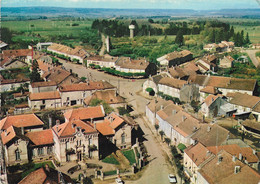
(70, 116)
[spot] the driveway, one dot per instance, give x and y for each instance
(251, 54)
(158, 169)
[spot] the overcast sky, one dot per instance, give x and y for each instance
(156, 4)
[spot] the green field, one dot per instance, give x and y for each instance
(47, 27)
(253, 31)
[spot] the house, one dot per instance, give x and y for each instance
(3, 45)
(245, 154)
(24, 55)
(40, 146)
(175, 58)
(230, 45)
(128, 65)
(211, 135)
(12, 84)
(152, 82)
(206, 91)
(194, 157)
(225, 84)
(256, 111)
(207, 63)
(76, 53)
(111, 97)
(75, 140)
(45, 64)
(189, 93)
(3, 171)
(115, 129)
(60, 76)
(15, 145)
(224, 46)
(226, 62)
(213, 106)
(12, 62)
(92, 114)
(21, 108)
(184, 70)
(46, 175)
(38, 87)
(244, 103)
(74, 94)
(44, 100)
(41, 46)
(170, 86)
(30, 122)
(103, 61)
(211, 47)
(21, 95)
(226, 169)
(153, 107)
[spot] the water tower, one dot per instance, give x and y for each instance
(131, 27)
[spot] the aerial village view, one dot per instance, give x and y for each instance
(134, 92)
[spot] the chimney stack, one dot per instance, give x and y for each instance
(208, 129)
(234, 158)
(240, 156)
(22, 130)
(95, 127)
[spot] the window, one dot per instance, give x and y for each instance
(43, 101)
(17, 155)
(90, 141)
(49, 150)
(68, 98)
(66, 145)
(40, 151)
(123, 138)
(33, 153)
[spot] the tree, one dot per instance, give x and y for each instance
(167, 140)
(161, 134)
(247, 41)
(212, 36)
(156, 127)
(35, 75)
(179, 38)
(150, 20)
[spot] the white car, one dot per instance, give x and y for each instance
(119, 181)
(172, 178)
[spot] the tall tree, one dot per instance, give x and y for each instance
(247, 41)
(212, 36)
(35, 75)
(179, 38)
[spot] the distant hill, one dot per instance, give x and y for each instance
(102, 12)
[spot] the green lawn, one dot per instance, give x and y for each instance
(110, 160)
(108, 173)
(37, 166)
(129, 154)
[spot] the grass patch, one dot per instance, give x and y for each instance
(130, 155)
(37, 166)
(181, 147)
(110, 160)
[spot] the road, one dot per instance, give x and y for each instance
(158, 169)
(251, 54)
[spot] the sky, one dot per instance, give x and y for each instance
(142, 4)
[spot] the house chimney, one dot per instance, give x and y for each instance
(208, 129)
(234, 158)
(22, 130)
(240, 156)
(95, 127)
(5, 132)
(219, 159)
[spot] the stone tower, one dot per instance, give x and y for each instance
(131, 27)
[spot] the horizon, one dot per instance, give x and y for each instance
(198, 5)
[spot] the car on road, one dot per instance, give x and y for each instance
(119, 181)
(172, 178)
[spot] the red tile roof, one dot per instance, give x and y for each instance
(98, 85)
(85, 113)
(210, 99)
(25, 120)
(16, 95)
(104, 128)
(127, 62)
(209, 90)
(234, 149)
(41, 137)
(244, 100)
(175, 83)
(10, 133)
(43, 84)
(19, 52)
(49, 95)
(70, 128)
(109, 96)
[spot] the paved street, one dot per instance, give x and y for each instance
(158, 169)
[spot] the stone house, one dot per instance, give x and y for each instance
(103, 61)
(256, 111)
(206, 91)
(86, 114)
(75, 140)
(128, 65)
(184, 70)
(44, 100)
(207, 63)
(171, 87)
(189, 93)
(74, 94)
(226, 169)
(30, 122)
(60, 76)
(152, 82)
(40, 145)
(38, 87)
(15, 145)
(111, 97)
(12, 84)
(226, 62)
(225, 84)
(24, 55)
(115, 129)
(11, 62)
(175, 58)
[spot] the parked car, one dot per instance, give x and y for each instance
(172, 178)
(119, 181)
